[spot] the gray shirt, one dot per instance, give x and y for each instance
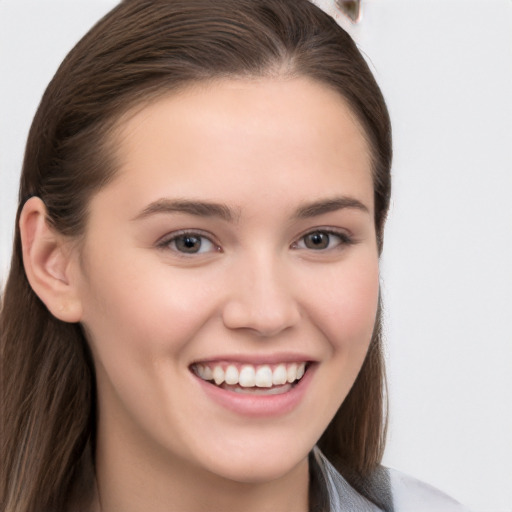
(386, 491)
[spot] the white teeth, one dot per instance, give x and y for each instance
(264, 377)
(279, 376)
(250, 376)
(292, 372)
(205, 372)
(231, 375)
(247, 377)
(218, 375)
(208, 374)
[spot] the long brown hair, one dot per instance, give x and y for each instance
(142, 49)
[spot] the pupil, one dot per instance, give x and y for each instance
(188, 244)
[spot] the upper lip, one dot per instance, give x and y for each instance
(256, 359)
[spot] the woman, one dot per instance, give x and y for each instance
(201, 215)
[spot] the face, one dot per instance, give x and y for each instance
(229, 276)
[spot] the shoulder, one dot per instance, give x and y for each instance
(412, 494)
(386, 490)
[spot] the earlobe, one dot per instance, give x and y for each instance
(48, 260)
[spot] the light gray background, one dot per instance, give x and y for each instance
(445, 67)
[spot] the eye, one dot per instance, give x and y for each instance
(189, 243)
(320, 240)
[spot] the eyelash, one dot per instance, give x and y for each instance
(168, 241)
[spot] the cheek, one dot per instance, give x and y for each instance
(345, 313)
(140, 312)
(348, 308)
(134, 319)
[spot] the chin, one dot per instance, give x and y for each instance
(260, 464)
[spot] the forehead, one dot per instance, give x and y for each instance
(282, 132)
(215, 99)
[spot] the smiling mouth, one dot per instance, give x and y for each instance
(262, 379)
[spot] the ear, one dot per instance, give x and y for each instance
(49, 259)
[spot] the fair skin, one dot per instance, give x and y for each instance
(238, 232)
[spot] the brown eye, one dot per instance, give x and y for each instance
(188, 243)
(317, 240)
(323, 240)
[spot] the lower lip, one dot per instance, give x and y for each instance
(259, 405)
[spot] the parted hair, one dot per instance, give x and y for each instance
(140, 50)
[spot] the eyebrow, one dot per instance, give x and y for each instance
(191, 207)
(209, 209)
(329, 205)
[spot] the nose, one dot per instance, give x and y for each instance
(261, 299)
